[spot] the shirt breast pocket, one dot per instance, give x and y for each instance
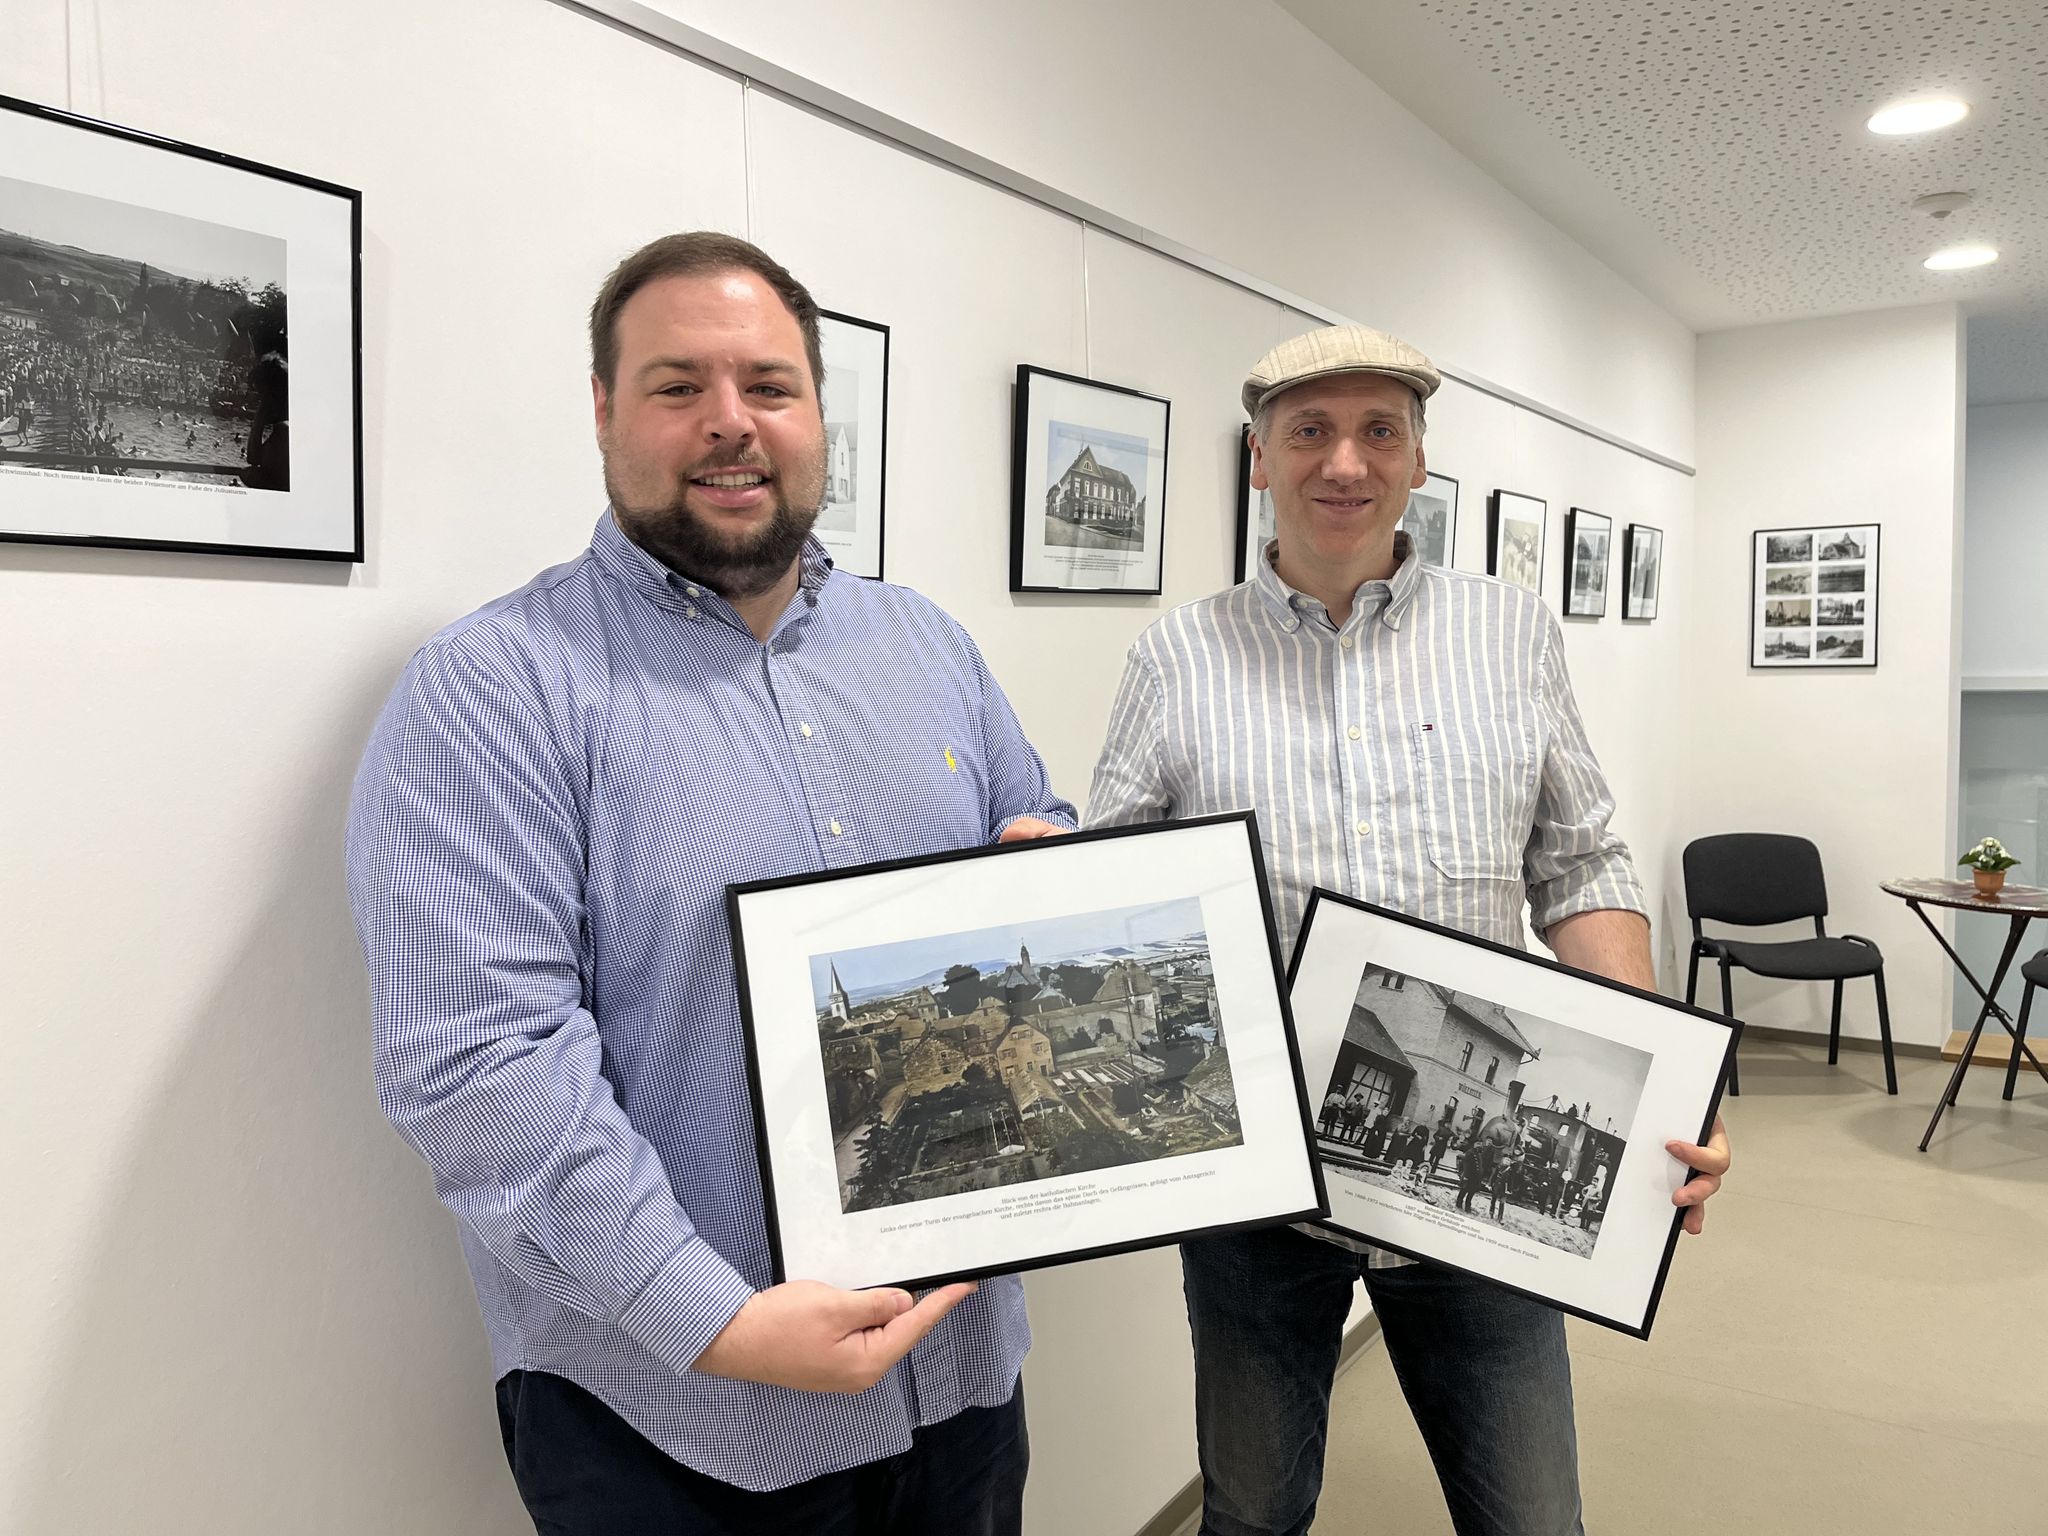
(1476, 789)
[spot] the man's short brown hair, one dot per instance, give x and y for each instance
(697, 253)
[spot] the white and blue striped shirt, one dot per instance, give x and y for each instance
(553, 803)
(1427, 755)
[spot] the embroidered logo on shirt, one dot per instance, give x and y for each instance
(952, 766)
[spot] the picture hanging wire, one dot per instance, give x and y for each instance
(83, 73)
(1087, 330)
(747, 149)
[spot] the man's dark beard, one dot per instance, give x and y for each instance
(677, 536)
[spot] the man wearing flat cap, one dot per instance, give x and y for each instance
(1407, 734)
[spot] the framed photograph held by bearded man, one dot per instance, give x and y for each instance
(179, 346)
(1002, 1058)
(1500, 1113)
(1088, 486)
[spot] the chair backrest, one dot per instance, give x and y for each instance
(1753, 878)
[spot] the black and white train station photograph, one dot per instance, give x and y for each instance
(1457, 1102)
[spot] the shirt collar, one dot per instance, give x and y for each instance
(669, 589)
(1391, 597)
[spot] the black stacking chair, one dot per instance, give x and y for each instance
(1751, 879)
(2035, 972)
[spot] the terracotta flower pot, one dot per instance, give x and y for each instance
(1989, 881)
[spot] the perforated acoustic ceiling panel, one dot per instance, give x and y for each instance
(1736, 132)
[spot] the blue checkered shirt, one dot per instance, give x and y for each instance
(543, 827)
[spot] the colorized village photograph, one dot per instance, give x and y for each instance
(1005, 1055)
(1456, 1102)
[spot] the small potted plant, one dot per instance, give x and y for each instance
(1988, 863)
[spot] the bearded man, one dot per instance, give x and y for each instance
(553, 803)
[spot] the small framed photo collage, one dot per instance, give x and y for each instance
(1813, 596)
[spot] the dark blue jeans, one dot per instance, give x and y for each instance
(1484, 1371)
(584, 1471)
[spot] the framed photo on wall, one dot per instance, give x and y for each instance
(856, 407)
(180, 346)
(1000, 1058)
(1515, 535)
(1255, 526)
(1586, 539)
(1642, 557)
(1088, 489)
(1432, 519)
(1460, 1119)
(1813, 596)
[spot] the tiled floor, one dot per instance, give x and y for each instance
(1829, 1356)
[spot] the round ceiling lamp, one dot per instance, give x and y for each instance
(1919, 116)
(1958, 258)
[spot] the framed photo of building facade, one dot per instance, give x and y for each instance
(1088, 487)
(1515, 534)
(1813, 596)
(1460, 1120)
(1586, 539)
(1432, 519)
(180, 340)
(1255, 526)
(1642, 558)
(1001, 1058)
(856, 407)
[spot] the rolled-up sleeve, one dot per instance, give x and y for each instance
(1130, 783)
(465, 869)
(1574, 861)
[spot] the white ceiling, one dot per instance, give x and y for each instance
(1713, 151)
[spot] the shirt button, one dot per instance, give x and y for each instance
(1365, 829)
(1353, 733)
(1346, 642)
(834, 826)
(804, 727)
(690, 612)
(693, 591)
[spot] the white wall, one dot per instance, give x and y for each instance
(231, 1263)
(1853, 419)
(2005, 542)
(1228, 126)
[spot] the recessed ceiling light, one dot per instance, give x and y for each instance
(1919, 116)
(1957, 257)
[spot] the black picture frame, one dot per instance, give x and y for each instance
(829, 1234)
(1814, 596)
(1508, 553)
(1116, 545)
(859, 348)
(1640, 600)
(1586, 577)
(1255, 524)
(1706, 1040)
(190, 276)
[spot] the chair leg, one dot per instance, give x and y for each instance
(1728, 1011)
(1835, 1028)
(1884, 1033)
(1692, 976)
(2012, 1068)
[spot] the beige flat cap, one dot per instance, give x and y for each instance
(1333, 350)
